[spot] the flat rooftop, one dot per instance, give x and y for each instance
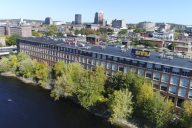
(115, 51)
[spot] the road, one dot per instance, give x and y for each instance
(7, 49)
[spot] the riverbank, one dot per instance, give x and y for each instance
(119, 122)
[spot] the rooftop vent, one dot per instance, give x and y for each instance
(169, 57)
(87, 47)
(103, 47)
(123, 50)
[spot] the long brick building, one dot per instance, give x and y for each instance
(173, 77)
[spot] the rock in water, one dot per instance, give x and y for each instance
(9, 99)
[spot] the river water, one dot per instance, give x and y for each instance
(32, 107)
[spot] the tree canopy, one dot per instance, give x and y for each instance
(13, 39)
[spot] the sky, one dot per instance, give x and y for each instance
(133, 11)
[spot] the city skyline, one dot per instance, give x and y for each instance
(132, 12)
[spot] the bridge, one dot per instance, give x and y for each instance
(6, 50)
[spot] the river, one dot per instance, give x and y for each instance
(32, 107)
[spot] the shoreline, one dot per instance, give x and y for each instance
(119, 122)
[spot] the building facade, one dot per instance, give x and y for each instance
(94, 26)
(99, 17)
(23, 31)
(48, 21)
(2, 41)
(77, 18)
(173, 78)
(119, 23)
(148, 26)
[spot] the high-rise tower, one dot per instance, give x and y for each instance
(99, 16)
(77, 18)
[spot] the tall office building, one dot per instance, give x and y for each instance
(99, 17)
(119, 23)
(48, 21)
(77, 18)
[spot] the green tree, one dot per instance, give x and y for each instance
(27, 68)
(105, 36)
(35, 33)
(13, 39)
(164, 51)
(77, 32)
(104, 40)
(69, 81)
(4, 65)
(41, 72)
(158, 111)
(82, 31)
(123, 31)
(157, 50)
(138, 30)
(176, 35)
(1, 45)
(59, 68)
(22, 56)
(120, 104)
(186, 115)
(172, 46)
(92, 87)
(59, 34)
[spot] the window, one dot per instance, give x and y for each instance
(190, 94)
(142, 64)
(190, 85)
(108, 73)
(184, 82)
(115, 59)
(109, 57)
(126, 69)
(108, 65)
(182, 92)
(80, 59)
(156, 76)
(127, 61)
(120, 68)
(93, 62)
(93, 55)
(175, 71)
(84, 60)
(113, 73)
(98, 62)
(134, 70)
(156, 85)
(180, 102)
(84, 66)
(174, 80)
(104, 57)
(114, 67)
(121, 60)
(70, 57)
(76, 58)
(141, 72)
(172, 98)
(134, 63)
(88, 67)
(165, 78)
(157, 67)
(172, 89)
(103, 64)
(164, 87)
(98, 56)
(185, 73)
(149, 66)
(88, 61)
(92, 69)
(148, 74)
